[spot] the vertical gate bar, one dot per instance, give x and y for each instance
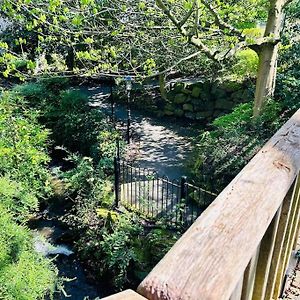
(139, 191)
(167, 198)
(285, 250)
(152, 199)
(144, 191)
(279, 243)
(182, 196)
(148, 191)
(127, 183)
(265, 258)
(178, 205)
(172, 203)
(136, 200)
(192, 205)
(117, 180)
(162, 195)
(121, 181)
(131, 186)
(185, 204)
(157, 194)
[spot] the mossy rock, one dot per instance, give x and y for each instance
(196, 91)
(204, 105)
(241, 96)
(203, 115)
(169, 113)
(186, 91)
(190, 115)
(169, 107)
(188, 107)
(224, 104)
(219, 92)
(178, 112)
(178, 87)
(231, 86)
(218, 113)
(180, 98)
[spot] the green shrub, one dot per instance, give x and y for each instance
(24, 275)
(24, 180)
(246, 64)
(119, 246)
(236, 138)
(67, 114)
(17, 199)
(23, 149)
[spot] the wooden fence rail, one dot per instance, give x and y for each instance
(240, 246)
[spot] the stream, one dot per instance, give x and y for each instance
(158, 144)
(53, 238)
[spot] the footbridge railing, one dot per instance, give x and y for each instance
(239, 248)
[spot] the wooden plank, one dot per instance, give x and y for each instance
(279, 243)
(126, 295)
(265, 258)
(209, 259)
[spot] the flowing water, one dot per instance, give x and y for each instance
(52, 238)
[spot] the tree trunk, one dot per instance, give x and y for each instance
(268, 54)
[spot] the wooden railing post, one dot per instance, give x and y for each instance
(249, 277)
(279, 243)
(265, 258)
(287, 243)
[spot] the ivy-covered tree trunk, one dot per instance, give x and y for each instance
(268, 54)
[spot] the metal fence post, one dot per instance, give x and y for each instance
(183, 193)
(117, 180)
(128, 118)
(112, 106)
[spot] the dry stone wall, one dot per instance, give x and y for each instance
(205, 100)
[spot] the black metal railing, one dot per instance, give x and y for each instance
(174, 202)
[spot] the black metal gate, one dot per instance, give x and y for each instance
(175, 202)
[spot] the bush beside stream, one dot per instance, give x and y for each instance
(24, 181)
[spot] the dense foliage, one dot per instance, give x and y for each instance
(66, 113)
(100, 37)
(24, 180)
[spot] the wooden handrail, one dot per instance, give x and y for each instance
(229, 251)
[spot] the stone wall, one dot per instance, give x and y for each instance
(199, 101)
(205, 100)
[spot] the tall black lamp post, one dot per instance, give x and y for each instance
(128, 80)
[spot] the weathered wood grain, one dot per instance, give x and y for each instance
(209, 259)
(126, 295)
